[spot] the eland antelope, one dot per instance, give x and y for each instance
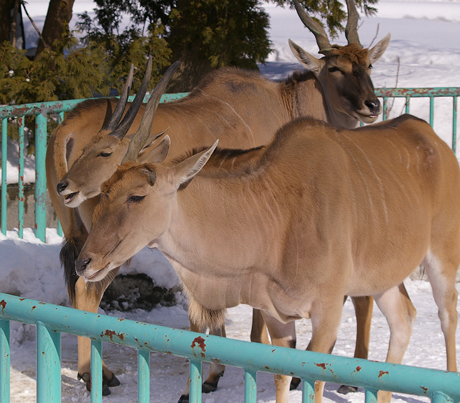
(242, 108)
(292, 228)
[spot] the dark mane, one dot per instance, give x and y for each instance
(298, 76)
(234, 162)
(219, 153)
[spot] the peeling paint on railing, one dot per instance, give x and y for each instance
(51, 320)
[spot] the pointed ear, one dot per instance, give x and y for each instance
(154, 153)
(377, 51)
(186, 170)
(306, 59)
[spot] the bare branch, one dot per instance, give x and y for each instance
(376, 35)
(396, 86)
(33, 24)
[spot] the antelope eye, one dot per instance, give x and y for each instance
(135, 199)
(105, 154)
(370, 66)
(333, 69)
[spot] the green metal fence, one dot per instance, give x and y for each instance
(431, 94)
(51, 320)
(41, 111)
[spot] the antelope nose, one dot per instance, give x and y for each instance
(61, 186)
(81, 265)
(373, 105)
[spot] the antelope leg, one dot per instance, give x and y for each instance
(281, 335)
(400, 313)
(87, 298)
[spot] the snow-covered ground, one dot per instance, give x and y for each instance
(425, 41)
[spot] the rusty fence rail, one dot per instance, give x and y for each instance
(52, 320)
(41, 111)
(432, 94)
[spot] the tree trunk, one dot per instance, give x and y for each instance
(6, 6)
(59, 14)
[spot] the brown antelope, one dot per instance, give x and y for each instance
(241, 108)
(292, 228)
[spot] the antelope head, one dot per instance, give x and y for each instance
(136, 208)
(344, 71)
(105, 151)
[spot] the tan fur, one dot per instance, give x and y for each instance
(354, 54)
(320, 214)
(241, 108)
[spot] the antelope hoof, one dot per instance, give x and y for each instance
(345, 389)
(184, 399)
(211, 386)
(112, 382)
(295, 382)
(86, 377)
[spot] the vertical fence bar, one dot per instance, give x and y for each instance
(96, 371)
(40, 177)
(385, 107)
(308, 391)
(59, 226)
(195, 381)
(250, 387)
(4, 174)
(407, 110)
(143, 376)
(431, 111)
(4, 361)
(454, 125)
(440, 397)
(21, 179)
(48, 364)
(370, 396)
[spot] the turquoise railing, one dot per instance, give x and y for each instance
(42, 110)
(432, 94)
(51, 320)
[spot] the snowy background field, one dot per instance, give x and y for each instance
(424, 52)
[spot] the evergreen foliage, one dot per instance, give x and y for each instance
(203, 34)
(330, 13)
(76, 70)
(224, 32)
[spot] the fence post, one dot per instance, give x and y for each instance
(96, 371)
(454, 126)
(250, 387)
(439, 397)
(143, 377)
(4, 173)
(371, 396)
(48, 364)
(21, 178)
(195, 381)
(308, 391)
(40, 176)
(4, 361)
